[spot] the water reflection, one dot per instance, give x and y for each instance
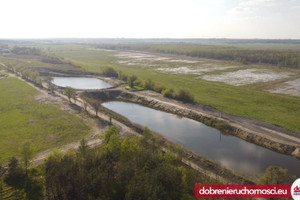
(229, 151)
(80, 82)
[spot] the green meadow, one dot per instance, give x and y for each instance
(23, 119)
(249, 101)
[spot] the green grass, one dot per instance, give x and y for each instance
(33, 63)
(23, 119)
(252, 103)
(135, 88)
(247, 101)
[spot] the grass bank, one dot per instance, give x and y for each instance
(23, 119)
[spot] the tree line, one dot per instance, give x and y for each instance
(136, 84)
(25, 51)
(128, 168)
(119, 169)
(281, 58)
(27, 74)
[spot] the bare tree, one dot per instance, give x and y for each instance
(50, 86)
(96, 104)
(84, 102)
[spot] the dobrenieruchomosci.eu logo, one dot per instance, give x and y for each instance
(249, 191)
(295, 190)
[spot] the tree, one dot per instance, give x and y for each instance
(168, 93)
(110, 120)
(49, 80)
(112, 140)
(70, 93)
(276, 175)
(122, 76)
(83, 147)
(96, 104)
(184, 95)
(15, 176)
(2, 172)
(74, 97)
(112, 130)
(27, 155)
(131, 80)
(84, 102)
(109, 71)
(149, 84)
(38, 81)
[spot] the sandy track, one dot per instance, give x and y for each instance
(61, 101)
(94, 139)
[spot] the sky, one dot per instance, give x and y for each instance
(266, 19)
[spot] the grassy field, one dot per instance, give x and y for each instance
(33, 62)
(248, 101)
(22, 119)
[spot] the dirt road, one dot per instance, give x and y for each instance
(99, 126)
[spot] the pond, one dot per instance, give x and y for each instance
(229, 151)
(83, 83)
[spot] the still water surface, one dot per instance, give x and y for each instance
(83, 83)
(231, 152)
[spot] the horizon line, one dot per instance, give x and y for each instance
(147, 38)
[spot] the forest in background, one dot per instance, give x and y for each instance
(280, 57)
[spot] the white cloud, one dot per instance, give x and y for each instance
(263, 2)
(148, 18)
(242, 10)
(249, 7)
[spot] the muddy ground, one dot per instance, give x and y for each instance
(289, 87)
(238, 75)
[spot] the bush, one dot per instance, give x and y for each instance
(138, 83)
(131, 80)
(149, 84)
(52, 60)
(168, 93)
(122, 76)
(184, 95)
(109, 71)
(159, 88)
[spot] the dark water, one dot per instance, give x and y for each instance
(231, 152)
(80, 82)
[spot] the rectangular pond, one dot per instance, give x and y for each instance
(83, 83)
(229, 151)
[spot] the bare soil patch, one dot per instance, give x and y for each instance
(289, 87)
(246, 76)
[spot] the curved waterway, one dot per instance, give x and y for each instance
(83, 83)
(229, 151)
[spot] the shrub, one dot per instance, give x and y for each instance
(111, 72)
(131, 80)
(168, 93)
(122, 76)
(184, 95)
(159, 88)
(138, 83)
(149, 84)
